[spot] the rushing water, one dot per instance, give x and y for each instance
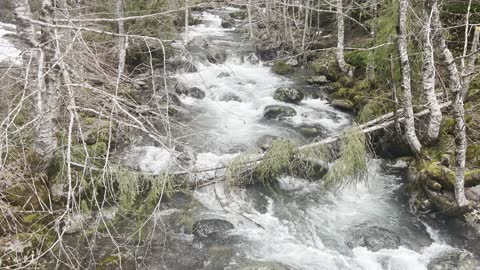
(298, 225)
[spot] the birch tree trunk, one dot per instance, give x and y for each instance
(250, 26)
(469, 71)
(341, 39)
(435, 119)
(186, 20)
(45, 140)
(455, 85)
(46, 96)
(410, 134)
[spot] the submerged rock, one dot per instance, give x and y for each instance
(278, 112)
(223, 75)
(251, 57)
(201, 48)
(265, 142)
(208, 227)
(231, 97)
(194, 92)
(288, 95)
(374, 238)
(455, 259)
(227, 21)
(264, 266)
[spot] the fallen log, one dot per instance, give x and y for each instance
(201, 177)
(381, 122)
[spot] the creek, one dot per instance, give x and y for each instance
(296, 224)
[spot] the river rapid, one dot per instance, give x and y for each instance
(296, 224)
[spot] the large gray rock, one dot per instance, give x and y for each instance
(288, 95)
(216, 55)
(374, 238)
(455, 259)
(278, 112)
(227, 21)
(200, 48)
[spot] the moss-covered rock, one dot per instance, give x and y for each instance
(29, 196)
(282, 68)
(288, 95)
(343, 104)
(328, 69)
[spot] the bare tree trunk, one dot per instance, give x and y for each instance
(429, 76)
(458, 109)
(469, 70)
(250, 26)
(341, 38)
(45, 141)
(46, 97)
(305, 27)
(410, 134)
(186, 20)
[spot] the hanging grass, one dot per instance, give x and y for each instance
(351, 167)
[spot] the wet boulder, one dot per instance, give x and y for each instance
(238, 15)
(231, 97)
(288, 95)
(223, 75)
(171, 98)
(310, 169)
(264, 266)
(278, 112)
(227, 21)
(342, 104)
(200, 48)
(194, 92)
(251, 58)
(209, 227)
(455, 259)
(321, 80)
(374, 238)
(282, 68)
(265, 142)
(216, 55)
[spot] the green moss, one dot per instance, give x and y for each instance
(473, 154)
(109, 262)
(448, 125)
(29, 196)
(351, 167)
(282, 68)
(327, 68)
(276, 161)
(441, 174)
(357, 59)
(374, 108)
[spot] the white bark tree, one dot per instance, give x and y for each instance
(48, 81)
(410, 134)
(435, 119)
(455, 85)
(341, 39)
